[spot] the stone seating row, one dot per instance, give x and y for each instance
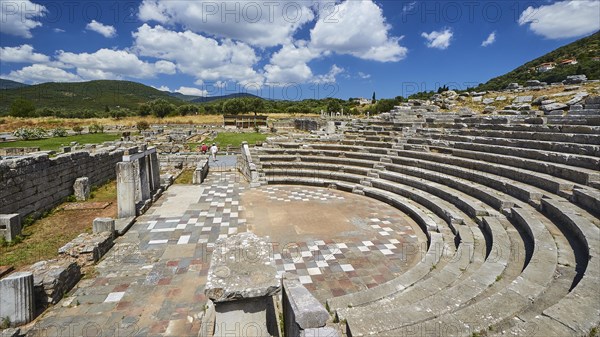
(514, 181)
(538, 136)
(367, 166)
(552, 146)
(472, 293)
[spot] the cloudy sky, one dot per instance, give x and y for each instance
(284, 49)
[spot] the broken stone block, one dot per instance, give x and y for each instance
(241, 268)
(16, 298)
(100, 225)
(10, 226)
(301, 310)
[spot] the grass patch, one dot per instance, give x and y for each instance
(43, 237)
(235, 139)
(185, 177)
(55, 143)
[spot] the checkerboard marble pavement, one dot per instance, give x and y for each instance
(152, 281)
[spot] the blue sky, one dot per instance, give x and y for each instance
(284, 49)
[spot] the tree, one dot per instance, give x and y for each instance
(334, 106)
(144, 110)
(142, 125)
(161, 108)
(106, 109)
(255, 105)
(188, 109)
(22, 107)
(78, 129)
(385, 105)
(374, 99)
(234, 106)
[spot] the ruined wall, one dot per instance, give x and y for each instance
(37, 183)
(179, 161)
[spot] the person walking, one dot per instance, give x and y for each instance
(213, 150)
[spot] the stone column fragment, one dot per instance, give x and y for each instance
(16, 298)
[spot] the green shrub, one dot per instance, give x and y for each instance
(78, 129)
(26, 133)
(96, 128)
(59, 132)
(142, 125)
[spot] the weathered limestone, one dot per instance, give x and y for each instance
(241, 281)
(16, 298)
(103, 225)
(138, 181)
(87, 249)
(301, 310)
(241, 267)
(154, 171)
(200, 172)
(10, 226)
(125, 190)
(142, 184)
(52, 279)
(248, 168)
(81, 188)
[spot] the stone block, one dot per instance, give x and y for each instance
(301, 310)
(103, 225)
(320, 332)
(52, 279)
(81, 188)
(16, 298)
(10, 226)
(125, 190)
(241, 268)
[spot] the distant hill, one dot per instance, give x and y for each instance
(586, 51)
(79, 96)
(224, 97)
(8, 84)
(187, 98)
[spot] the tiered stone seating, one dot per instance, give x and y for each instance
(522, 209)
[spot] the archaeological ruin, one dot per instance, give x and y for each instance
(416, 222)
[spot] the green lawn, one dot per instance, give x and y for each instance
(235, 139)
(55, 143)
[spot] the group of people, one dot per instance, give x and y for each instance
(213, 150)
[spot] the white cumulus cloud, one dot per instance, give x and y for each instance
(563, 19)
(259, 23)
(19, 17)
(192, 91)
(104, 30)
(22, 54)
(289, 64)
(490, 39)
(357, 28)
(204, 58)
(330, 77)
(40, 73)
(112, 64)
(438, 39)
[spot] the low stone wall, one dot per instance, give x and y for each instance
(37, 183)
(17, 151)
(307, 124)
(178, 162)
